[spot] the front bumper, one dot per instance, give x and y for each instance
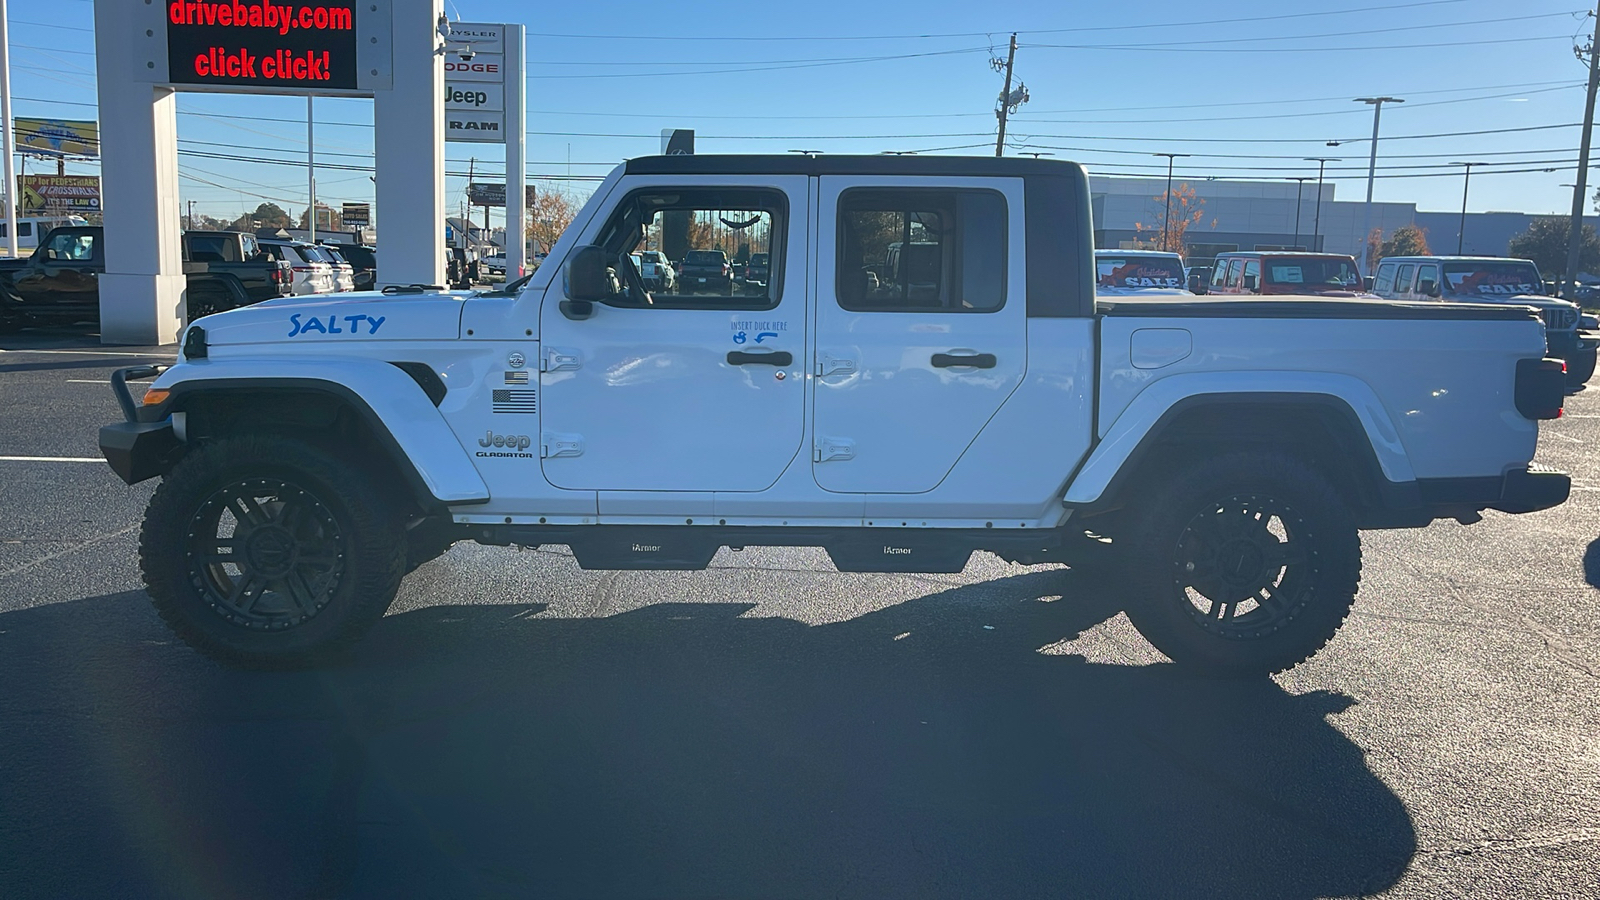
(140, 450)
(135, 449)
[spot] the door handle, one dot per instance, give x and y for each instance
(975, 360)
(773, 358)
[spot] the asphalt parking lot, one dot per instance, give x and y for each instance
(771, 728)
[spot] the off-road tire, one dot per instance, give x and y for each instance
(1222, 525)
(341, 562)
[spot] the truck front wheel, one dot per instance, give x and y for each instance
(265, 551)
(1240, 564)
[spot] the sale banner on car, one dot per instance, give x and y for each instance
(1138, 273)
(1490, 279)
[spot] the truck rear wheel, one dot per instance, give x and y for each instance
(265, 551)
(1241, 564)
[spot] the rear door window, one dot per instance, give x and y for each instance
(1402, 279)
(921, 250)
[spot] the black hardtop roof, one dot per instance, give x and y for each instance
(828, 164)
(1294, 253)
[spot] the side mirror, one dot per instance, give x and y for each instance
(1197, 284)
(1250, 282)
(584, 277)
(49, 253)
(1367, 283)
(1428, 288)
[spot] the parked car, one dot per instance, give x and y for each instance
(757, 270)
(657, 271)
(60, 281)
(31, 229)
(1138, 273)
(494, 265)
(1228, 452)
(313, 274)
(344, 274)
(703, 271)
(364, 261)
(1286, 272)
(1481, 279)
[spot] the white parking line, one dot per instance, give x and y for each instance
(90, 353)
(104, 382)
(75, 459)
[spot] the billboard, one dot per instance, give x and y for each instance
(356, 214)
(294, 47)
(59, 194)
(57, 137)
(493, 194)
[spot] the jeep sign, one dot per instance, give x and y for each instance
(475, 97)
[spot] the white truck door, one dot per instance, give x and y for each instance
(698, 388)
(921, 325)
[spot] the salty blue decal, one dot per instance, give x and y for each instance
(331, 326)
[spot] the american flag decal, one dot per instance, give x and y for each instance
(511, 401)
(517, 377)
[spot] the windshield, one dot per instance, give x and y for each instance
(1492, 278)
(706, 257)
(1139, 271)
(1322, 274)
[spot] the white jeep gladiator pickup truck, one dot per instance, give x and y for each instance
(924, 374)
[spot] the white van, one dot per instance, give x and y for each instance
(30, 230)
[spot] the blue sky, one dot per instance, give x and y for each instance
(1109, 85)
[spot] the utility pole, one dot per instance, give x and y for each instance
(8, 143)
(1166, 217)
(1461, 232)
(1316, 221)
(1372, 172)
(1575, 234)
(191, 215)
(1299, 186)
(311, 173)
(1007, 102)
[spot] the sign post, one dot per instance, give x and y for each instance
(145, 52)
(485, 103)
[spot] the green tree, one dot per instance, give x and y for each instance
(1545, 242)
(1407, 240)
(270, 215)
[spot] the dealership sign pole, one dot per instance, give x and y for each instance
(484, 101)
(388, 50)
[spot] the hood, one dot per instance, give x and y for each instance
(338, 318)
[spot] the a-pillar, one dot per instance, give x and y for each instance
(141, 291)
(409, 144)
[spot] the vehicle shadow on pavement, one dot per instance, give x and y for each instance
(1591, 563)
(679, 750)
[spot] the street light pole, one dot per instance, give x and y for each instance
(8, 138)
(1299, 186)
(1316, 221)
(1166, 217)
(1575, 230)
(1461, 231)
(1372, 172)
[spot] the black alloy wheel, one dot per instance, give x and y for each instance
(1244, 566)
(265, 554)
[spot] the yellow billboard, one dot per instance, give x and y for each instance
(58, 137)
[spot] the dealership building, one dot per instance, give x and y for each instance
(1261, 215)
